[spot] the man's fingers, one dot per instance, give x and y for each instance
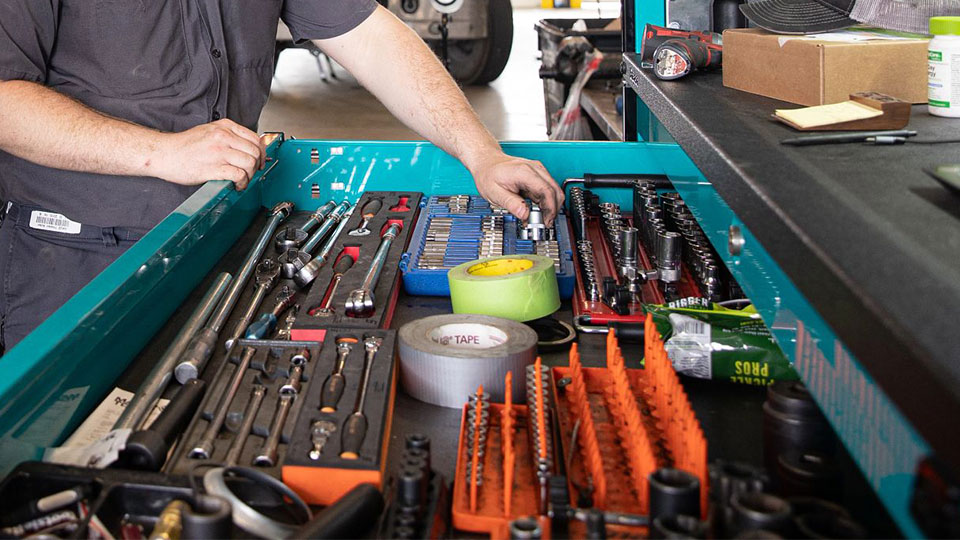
(554, 186)
(540, 189)
(512, 202)
(245, 146)
(251, 137)
(241, 160)
(236, 175)
(547, 199)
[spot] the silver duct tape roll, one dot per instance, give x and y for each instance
(444, 358)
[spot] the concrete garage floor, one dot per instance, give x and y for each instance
(304, 106)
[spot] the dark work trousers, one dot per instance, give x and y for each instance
(41, 269)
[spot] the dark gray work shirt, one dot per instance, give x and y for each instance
(166, 64)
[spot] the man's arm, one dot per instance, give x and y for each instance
(415, 87)
(51, 129)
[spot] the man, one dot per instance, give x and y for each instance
(113, 111)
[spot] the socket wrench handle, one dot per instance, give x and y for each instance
(345, 263)
(204, 342)
(371, 346)
(268, 452)
(355, 428)
(617, 180)
(204, 447)
(380, 257)
(268, 321)
(361, 302)
(268, 271)
(351, 438)
(309, 272)
(278, 214)
(368, 212)
(318, 216)
(332, 219)
(147, 449)
(249, 415)
(156, 382)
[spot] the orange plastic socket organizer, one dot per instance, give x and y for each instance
(629, 422)
(632, 422)
(508, 486)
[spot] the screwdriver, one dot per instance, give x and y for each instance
(355, 428)
(333, 386)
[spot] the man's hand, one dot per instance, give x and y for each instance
(504, 180)
(418, 90)
(221, 150)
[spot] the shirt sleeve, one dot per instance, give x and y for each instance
(28, 29)
(323, 19)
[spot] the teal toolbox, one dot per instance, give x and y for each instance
(58, 374)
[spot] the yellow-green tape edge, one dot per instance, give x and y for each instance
(520, 295)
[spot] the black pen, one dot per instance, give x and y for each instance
(853, 136)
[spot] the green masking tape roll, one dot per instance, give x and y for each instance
(517, 287)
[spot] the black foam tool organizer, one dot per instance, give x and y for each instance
(271, 366)
(326, 479)
(397, 207)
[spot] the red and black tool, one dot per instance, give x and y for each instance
(675, 53)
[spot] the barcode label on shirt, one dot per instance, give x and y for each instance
(48, 221)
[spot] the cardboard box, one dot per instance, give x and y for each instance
(815, 72)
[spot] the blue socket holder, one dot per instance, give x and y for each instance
(464, 245)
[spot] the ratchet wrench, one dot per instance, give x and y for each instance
(361, 302)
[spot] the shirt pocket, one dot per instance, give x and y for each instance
(140, 47)
(250, 28)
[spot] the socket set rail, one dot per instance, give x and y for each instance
(455, 229)
(655, 255)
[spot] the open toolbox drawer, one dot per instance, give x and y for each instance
(55, 377)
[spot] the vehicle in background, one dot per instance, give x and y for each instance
(479, 35)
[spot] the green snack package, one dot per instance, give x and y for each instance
(709, 341)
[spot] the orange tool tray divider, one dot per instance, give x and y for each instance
(489, 516)
(326, 485)
(632, 421)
